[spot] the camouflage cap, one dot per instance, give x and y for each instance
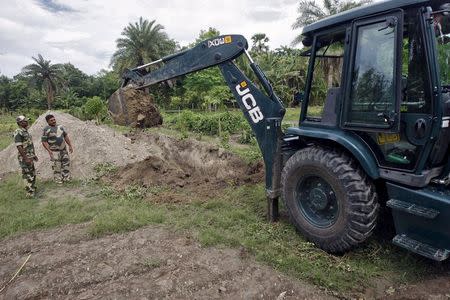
(22, 118)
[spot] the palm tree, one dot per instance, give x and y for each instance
(310, 12)
(141, 42)
(46, 74)
(260, 41)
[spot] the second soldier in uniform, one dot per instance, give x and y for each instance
(54, 139)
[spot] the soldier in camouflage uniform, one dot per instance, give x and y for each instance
(26, 156)
(54, 139)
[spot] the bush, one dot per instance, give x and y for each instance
(213, 124)
(209, 124)
(94, 108)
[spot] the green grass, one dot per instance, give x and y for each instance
(235, 219)
(51, 208)
(292, 116)
(7, 127)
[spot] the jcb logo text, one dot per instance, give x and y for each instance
(249, 102)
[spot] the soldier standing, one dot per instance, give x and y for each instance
(54, 139)
(26, 156)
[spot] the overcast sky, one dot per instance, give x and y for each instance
(83, 32)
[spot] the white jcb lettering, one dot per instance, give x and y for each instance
(240, 91)
(249, 102)
(245, 101)
(256, 115)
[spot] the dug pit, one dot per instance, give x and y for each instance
(187, 164)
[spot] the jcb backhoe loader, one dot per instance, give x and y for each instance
(382, 137)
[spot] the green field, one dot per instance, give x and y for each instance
(7, 127)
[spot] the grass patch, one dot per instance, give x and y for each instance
(235, 219)
(152, 263)
(52, 207)
(7, 127)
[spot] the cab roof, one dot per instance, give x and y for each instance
(360, 12)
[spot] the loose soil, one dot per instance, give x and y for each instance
(436, 289)
(93, 145)
(135, 108)
(196, 167)
(149, 263)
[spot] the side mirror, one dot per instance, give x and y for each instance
(307, 41)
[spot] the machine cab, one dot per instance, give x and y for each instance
(380, 75)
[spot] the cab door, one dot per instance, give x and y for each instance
(373, 78)
(388, 94)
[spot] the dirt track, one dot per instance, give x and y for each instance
(150, 263)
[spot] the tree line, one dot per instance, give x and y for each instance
(43, 84)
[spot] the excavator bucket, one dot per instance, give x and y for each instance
(136, 108)
(117, 106)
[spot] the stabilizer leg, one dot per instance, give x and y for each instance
(272, 209)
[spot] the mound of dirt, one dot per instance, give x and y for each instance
(146, 159)
(135, 108)
(93, 145)
(188, 164)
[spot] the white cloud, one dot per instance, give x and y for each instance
(85, 35)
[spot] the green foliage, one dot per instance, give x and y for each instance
(204, 35)
(205, 89)
(45, 75)
(141, 42)
(104, 84)
(103, 169)
(310, 11)
(7, 127)
(444, 60)
(95, 107)
(260, 41)
(66, 98)
(210, 124)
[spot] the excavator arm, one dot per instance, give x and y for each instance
(207, 54)
(263, 110)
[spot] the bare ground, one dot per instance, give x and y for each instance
(149, 263)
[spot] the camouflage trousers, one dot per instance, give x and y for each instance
(29, 176)
(61, 166)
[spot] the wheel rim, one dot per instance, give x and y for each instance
(317, 201)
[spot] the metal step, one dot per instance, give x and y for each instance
(413, 209)
(420, 248)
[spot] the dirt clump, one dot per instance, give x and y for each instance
(131, 107)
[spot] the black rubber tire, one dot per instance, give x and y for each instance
(354, 193)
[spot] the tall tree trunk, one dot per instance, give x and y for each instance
(49, 95)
